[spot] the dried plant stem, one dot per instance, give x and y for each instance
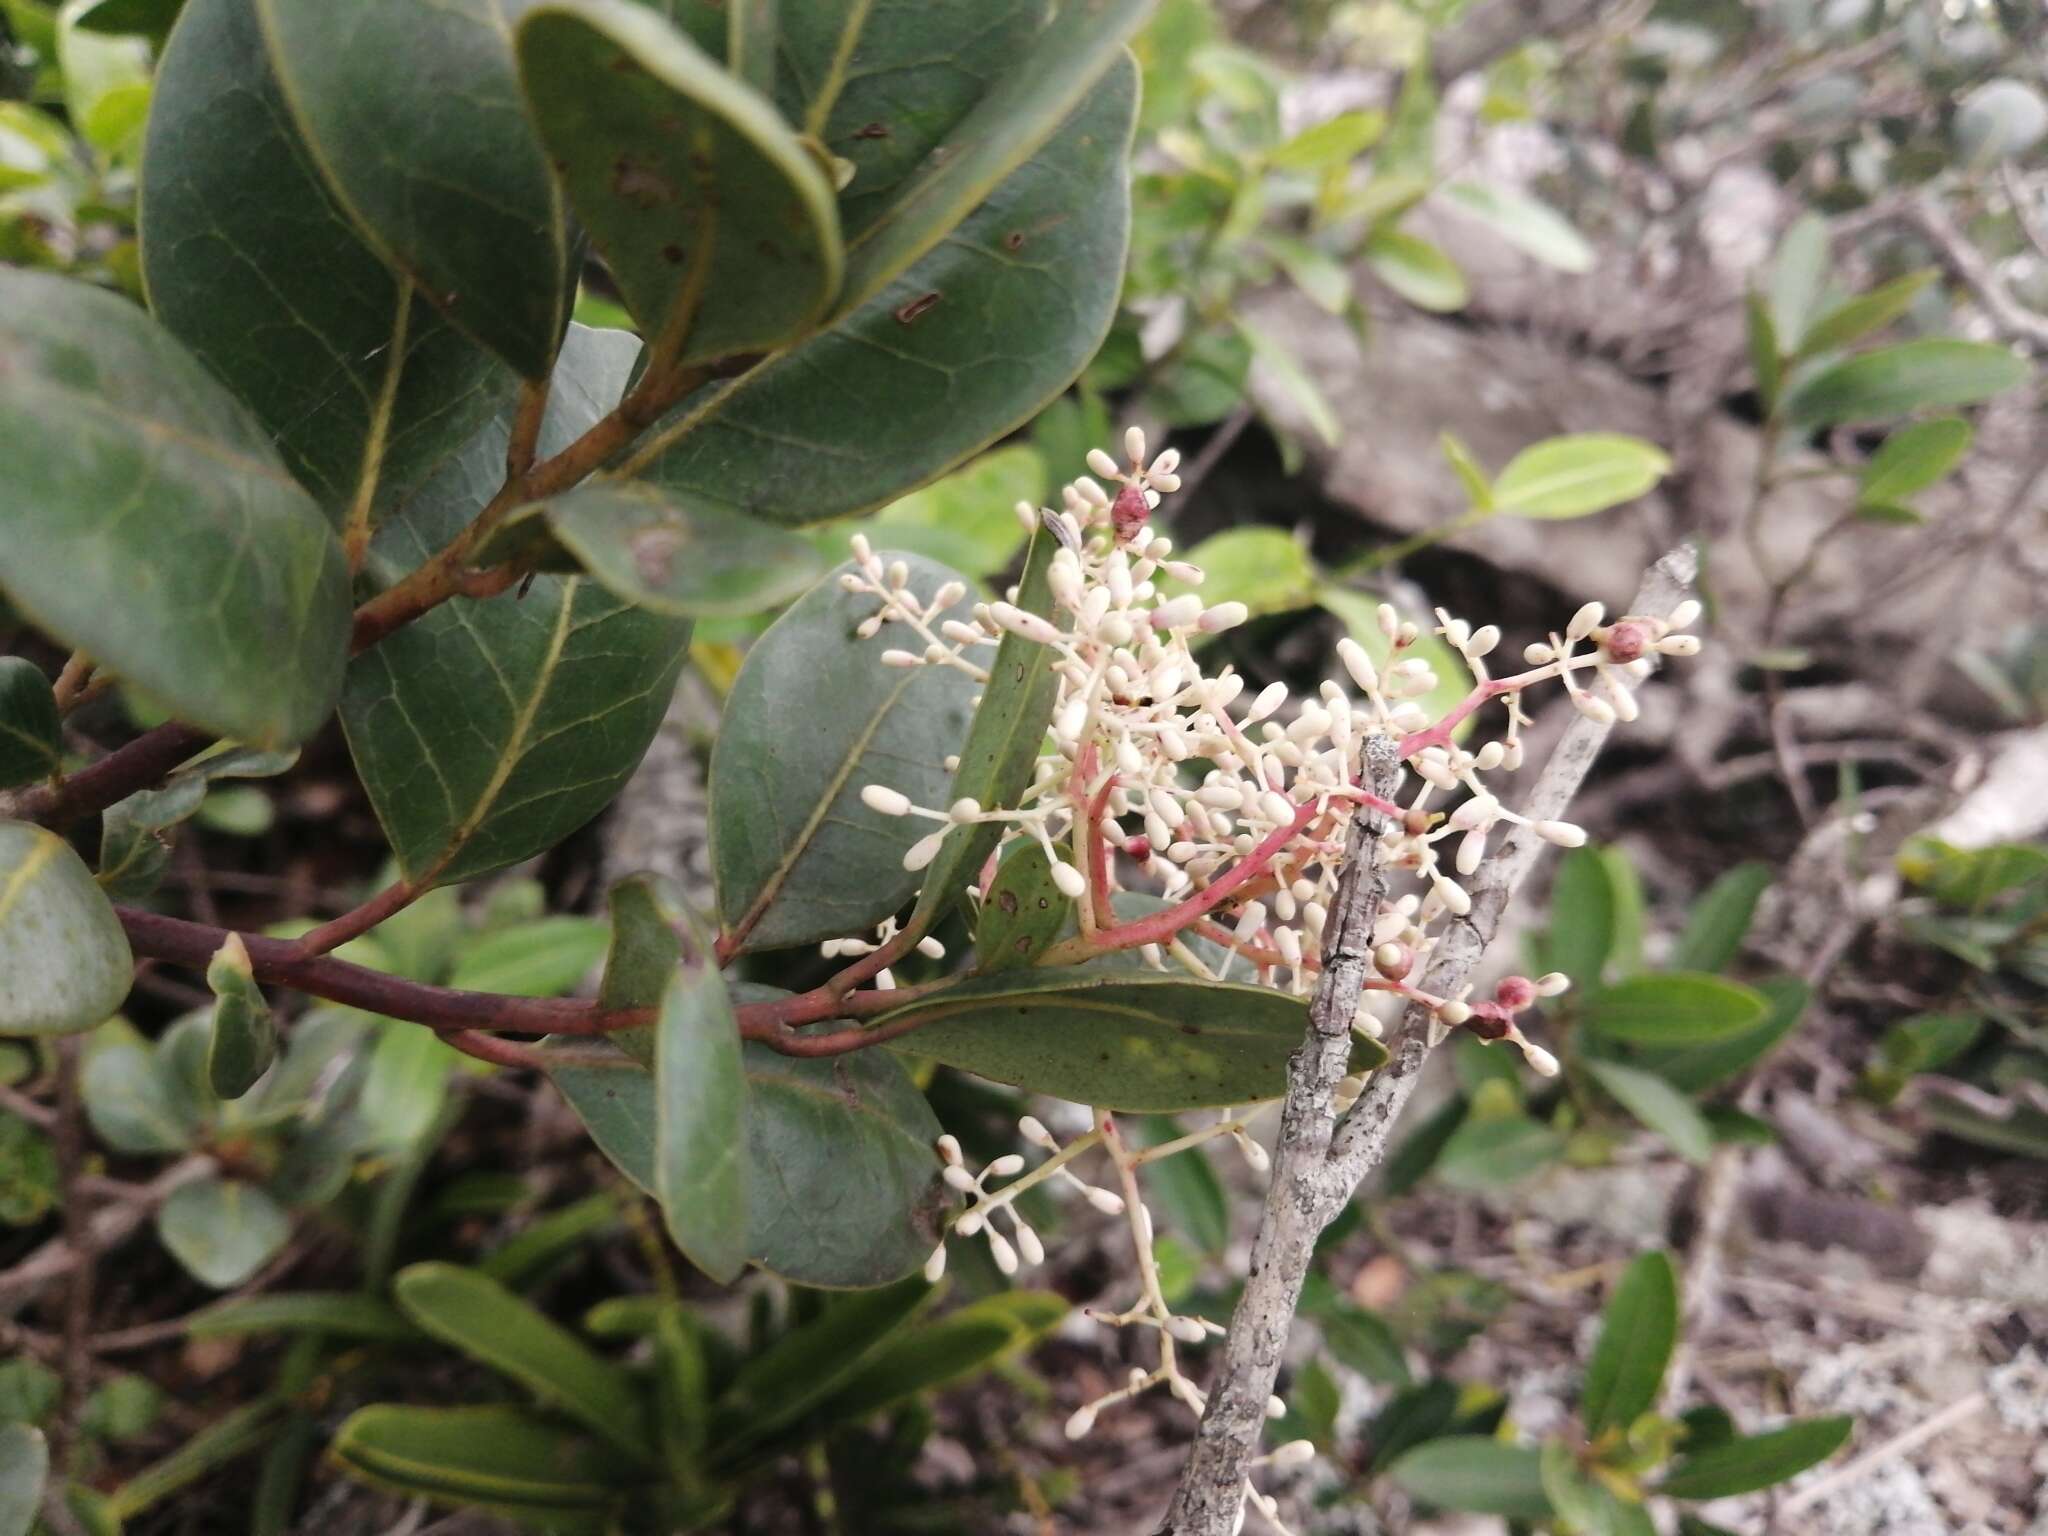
(1318, 1162)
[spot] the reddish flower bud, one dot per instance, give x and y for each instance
(1128, 513)
(1139, 847)
(1515, 993)
(1628, 640)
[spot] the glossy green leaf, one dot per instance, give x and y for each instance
(1766, 360)
(1330, 142)
(1119, 1039)
(434, 160)
(1720, 919)
(343, 1314)
(1003, 742)
(490, 1324)
(1023, 913)
(544, 958)
(1416, 270)
(1799, 272)
(1576, 475)
(710, 214)
(808, 1123)
(700, 1095)
(106, 84)
(62, 950)
(809, 1363)
(222, 1230)
(1527, 223)
(935, 1355)
(228, 603)
(658, 552)
(1494, 1153)
(135, 832)
(1362, 1341)
(1678, 1008)
(405, 1086)
(1756, 1461)
(1661, 1107)
(1911, 376)
(1855, 318)
(503, 1458)
(1912, 459)
(797, 854)
(1477, 1473)
(1472, 476)
(1969, 879)
(1886, 515)
(487, 731)
(148, 18)
(243, 1041)
(357, 377)
(1584, 905)
(1638, 1331)
(1698, 1067)
(31, 735)
(24, 1463)
(966, 344)
(648, 922)
(1573, 1495)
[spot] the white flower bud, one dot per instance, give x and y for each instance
(1249, 922)
(1103, 464)
(1289, 943)
(1134, 444)
(1018, 622)
(1177, 613)
(959, 1178)
(1358, 664)
(1091, 493)
(966, 808)
(848, 582)
(931, 948)
(923, 851)
(1585, 621)
(1599, 711)
(1484, 639)
(868, 628)
(1562, 833)
(1471, 851)
(1223, 616)
(1679, 645)
(935, 1266)
(1388, 620)
(1537, 654)
(1006, 1165)
(1080, 1422)
(1489, 757)
(1255, 1156)
(1000, 1250)
(862, 550)
(1163, 480)
(1027, 516)
(1553, 984)
(1275, 1409)
(1294, 1453)
(1107, 1201)
(1453, 1012)
(1033, 1130)
(1270, 698)
(970, 1222)
(1454, 896)
(1186, 1329)
(1277, 808)
(1542, 1061)
(899, 575)
(1028, 1245)
(1068, 879)
(1684, 615)
(949, 1149)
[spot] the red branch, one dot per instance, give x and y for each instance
(143, 761)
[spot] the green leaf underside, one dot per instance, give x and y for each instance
(434, 159)
(974, 338)
(812, 719)
(696, 193)
(489, 1323)
(1637, 1333)
(1003, 742)
(251, 263)
(243, 1040)
(496, 1456)
(1676, 1008)
(191, 564)
(843, 1188)
(1122, 1040)
(487, 731)
(657, 551)
(62, 951)
(222, 1230)
(1890, 381)
(1756, 1461)
(700, 1125)
(31, 735)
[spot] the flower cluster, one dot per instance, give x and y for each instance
(1162, 777)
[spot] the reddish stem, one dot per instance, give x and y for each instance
(354, 924)
(1098, 852)
(1439, 735)
(143, 761)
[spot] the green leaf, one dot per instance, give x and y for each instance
(405, 1087)
(1799, 271)
(1912, 459)
(135, 843)
(645, 948)
(1696, 1068)
(1576, 475)
(1003, 742)
(1572, 1494)
(797, 854)
(1416, 270)
(434, 160)
(1999, 119)
(343, 1314)
(1477, 1473)
(1766, 358)
(135, 1103)
(228, 603)
(106, 84)
(485, 1321)
(222, 1230)
(357, 377)
(544, 958)
(31, 734)
(1583, 908)
(243, 1041)
(1331, 142)
(24, 1463)
(1266, 569)
(1677, 1008)
(1120, 1039)
(982, 330)
(936, 1355)
(1023, 912)
(1719, 921)
(1652, 1100)
(502, 1458)
(1756, 1461)
(1362, 1341)
(1969, 879)
(658, 552)
(1928, 1041)
(965, 520)
(122, 1408)
(1285, 369)
(700, 1094)
(1853, 319)
(1494, 1153)
(150, 18)
(807, 1122)
(1886, 516)
(1471, 474)
(1360, 616)
(1317, 273)
(28, 1172)
(487, 731)
(1911, 376)
(808, 1364)
(1637, 1334)
(1527, 223)
(719, 228)
(62, 950)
